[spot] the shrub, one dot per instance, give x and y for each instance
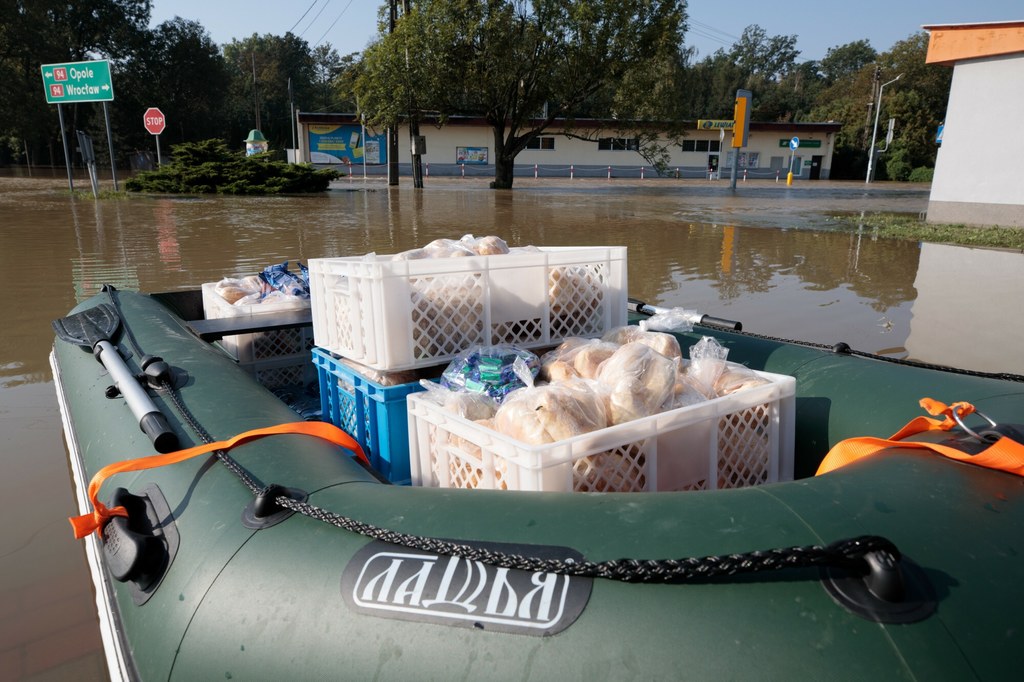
(921, 174)
(209, 167)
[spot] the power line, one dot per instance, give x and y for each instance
(313, 20)
(333, 23)
(303, 15)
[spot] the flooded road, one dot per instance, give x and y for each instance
(764, 255)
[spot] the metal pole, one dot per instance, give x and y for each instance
(64, 139)
(110, 144)
(874, 130)
(291, 103)
(158, 161)
(362, 137)
(255, 94)
(392, 131)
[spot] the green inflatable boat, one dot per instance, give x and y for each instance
(284, 556)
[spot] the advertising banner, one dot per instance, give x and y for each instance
(345, 144)
(475, 155)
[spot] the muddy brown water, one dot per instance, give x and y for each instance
(765, 254)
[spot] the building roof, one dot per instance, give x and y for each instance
(764, 126)
(950, 43)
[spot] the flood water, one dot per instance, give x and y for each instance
(757, 255)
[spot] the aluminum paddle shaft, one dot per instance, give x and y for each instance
(151, 420)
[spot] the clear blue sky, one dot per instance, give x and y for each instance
(349, 25)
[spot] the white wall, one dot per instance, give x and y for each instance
(442, 144)
(983, 137)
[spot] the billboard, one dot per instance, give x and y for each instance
(331, 143)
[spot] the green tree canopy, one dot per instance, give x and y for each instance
(523, 64)
(259, 68)
(183, 74)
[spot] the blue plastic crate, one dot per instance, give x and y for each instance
(374, 415)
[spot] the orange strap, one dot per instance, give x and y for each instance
(1005, 454)
(87, 523)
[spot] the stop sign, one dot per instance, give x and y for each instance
(153, 119)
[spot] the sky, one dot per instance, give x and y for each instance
(348, 25)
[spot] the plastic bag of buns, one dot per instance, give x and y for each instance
(666, 344)
(640, 380)
(242, 291)
(468, 245)
(490, 245)
(553, 412)
(735, 378)
(575, 357)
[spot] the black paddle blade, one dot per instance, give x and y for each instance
(88, 327)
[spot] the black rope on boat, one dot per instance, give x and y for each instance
(847, 553)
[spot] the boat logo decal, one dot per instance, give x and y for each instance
(406, 584)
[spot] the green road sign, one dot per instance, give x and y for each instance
(78, 82)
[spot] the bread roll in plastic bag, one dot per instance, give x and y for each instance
(550, 413)
(735, 378)
(485, 246)
(576, 357)
(666, 344)
(640, 380)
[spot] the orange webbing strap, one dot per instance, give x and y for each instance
(87, 523)
(1005, 454)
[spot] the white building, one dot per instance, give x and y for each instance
(465, 146)
(977, 180)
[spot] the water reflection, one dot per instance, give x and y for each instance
(822, 286)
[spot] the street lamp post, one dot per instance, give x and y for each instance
(874, 130)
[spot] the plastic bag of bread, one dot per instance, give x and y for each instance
(639, 380)
(576, 357)
(485, 246)
(707, 362)
(241, 291)
(545, 414)
(666, 344)
(735, 378)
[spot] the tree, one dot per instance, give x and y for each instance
(764, 58)
(167, 75)
(917, 102)
(328, 68)
(522, 65)
(842, 62)
(51, 31)
(258, 69)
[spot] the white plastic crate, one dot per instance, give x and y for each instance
(402, 314)
(257, 347)
(735, 441)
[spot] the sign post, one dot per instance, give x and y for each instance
(793, 144)
(740, 130)
(80, 82)
(155, 123)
